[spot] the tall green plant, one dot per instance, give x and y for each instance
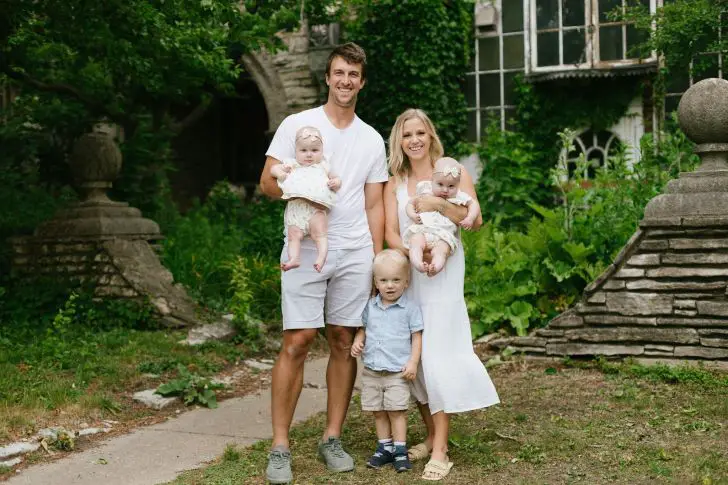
(417, 55)
(520, 279)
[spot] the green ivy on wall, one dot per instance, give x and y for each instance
(417, 55)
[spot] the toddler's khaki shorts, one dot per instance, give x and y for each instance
(384, 391)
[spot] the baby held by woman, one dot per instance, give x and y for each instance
(432, 230)
(309, 186)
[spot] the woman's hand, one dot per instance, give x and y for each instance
(428, 203)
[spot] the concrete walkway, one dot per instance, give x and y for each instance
(157, 454)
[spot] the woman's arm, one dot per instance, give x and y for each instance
(456, 213)
(391, 218)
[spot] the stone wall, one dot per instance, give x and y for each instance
(79, 260)
(663, 297)
(665, 294)
(114, 268)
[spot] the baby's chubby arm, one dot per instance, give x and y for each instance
(473, 213)
(411, 212)
(358, 346)
(280, 171)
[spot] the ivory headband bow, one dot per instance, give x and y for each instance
(453, 171)
(308, 132)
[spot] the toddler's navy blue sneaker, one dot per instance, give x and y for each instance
(380, 458)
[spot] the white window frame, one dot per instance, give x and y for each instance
(592, 26)
(501, 71)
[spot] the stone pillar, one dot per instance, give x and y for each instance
(664, 296)
(102, 242)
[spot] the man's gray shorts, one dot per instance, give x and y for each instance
(336, 296)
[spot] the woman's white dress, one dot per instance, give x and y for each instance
(451, 377)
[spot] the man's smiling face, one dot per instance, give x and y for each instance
(344, 81)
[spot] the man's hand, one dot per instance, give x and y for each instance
(409, 372)
(334, 183)
(358, 346)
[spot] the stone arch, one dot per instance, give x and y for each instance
(265, 75)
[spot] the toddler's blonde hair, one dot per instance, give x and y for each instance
(390, 257)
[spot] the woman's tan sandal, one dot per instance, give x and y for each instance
(436, 470)
(418, 452)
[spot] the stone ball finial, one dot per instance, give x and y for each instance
(703, 111)
(95, 160)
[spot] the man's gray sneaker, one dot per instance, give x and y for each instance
(336, 459)
(279, 466)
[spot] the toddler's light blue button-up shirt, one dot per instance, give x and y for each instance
(389, 330)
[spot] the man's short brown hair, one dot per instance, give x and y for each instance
(351, 53)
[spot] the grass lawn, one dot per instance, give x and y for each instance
(591, 424)
(92, 378)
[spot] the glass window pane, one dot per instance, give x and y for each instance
(705, 66)
(470, 90)
(513, 16)
(509, 85)
(677, 81)
(548, 49)
(635, 38)
(575, 46)
(488, 54)
(513, 52)
(573, 13)
(472, 126)
(490, 90)
(606, 7)
(547, 14)
(610, 43)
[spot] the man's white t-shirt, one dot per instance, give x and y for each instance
(356, 154)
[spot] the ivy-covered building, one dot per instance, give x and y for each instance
(577, 47)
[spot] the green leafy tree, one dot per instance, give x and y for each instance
(151, 66)
(417, 55)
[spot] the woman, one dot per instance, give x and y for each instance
(451, 378)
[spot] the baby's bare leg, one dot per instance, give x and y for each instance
(417, 247)
(318, 225)
(295, 235)
(440, 253)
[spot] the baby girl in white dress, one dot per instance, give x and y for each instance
(309, 186)
(432, 230)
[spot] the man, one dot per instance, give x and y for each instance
(335, 297)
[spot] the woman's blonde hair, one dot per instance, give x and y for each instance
(399, 165)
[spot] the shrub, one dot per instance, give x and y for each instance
(224, 248)
(521, 278)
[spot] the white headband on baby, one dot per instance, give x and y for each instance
(453, 171)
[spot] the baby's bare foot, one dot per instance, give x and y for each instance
(418, 264)
(435, 266)
(294, 263)
(319, 265)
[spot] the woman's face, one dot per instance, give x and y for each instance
(415, 140)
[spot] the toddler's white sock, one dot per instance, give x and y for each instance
(387, 444)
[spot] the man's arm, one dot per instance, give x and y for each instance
(268, 183)
(374, 206)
